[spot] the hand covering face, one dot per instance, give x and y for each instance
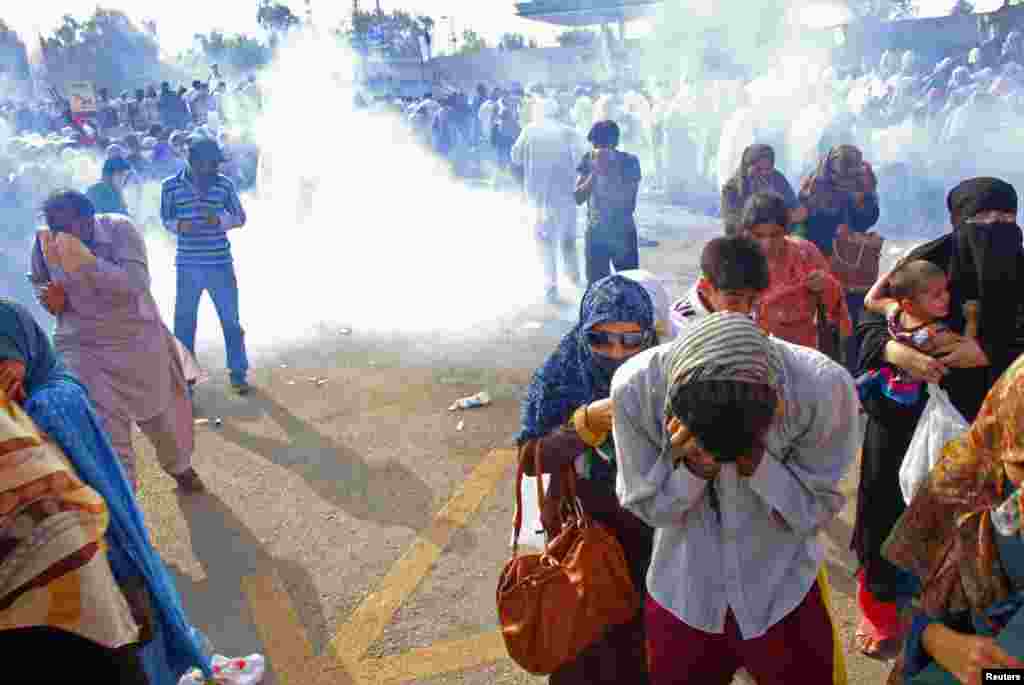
(66, 251)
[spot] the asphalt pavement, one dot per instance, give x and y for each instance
(354, 527)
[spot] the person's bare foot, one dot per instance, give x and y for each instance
(189, 481)
(874, 648)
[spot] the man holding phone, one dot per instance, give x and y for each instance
(731, 444)
(200, 205)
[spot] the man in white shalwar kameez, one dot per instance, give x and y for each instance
(549, 152)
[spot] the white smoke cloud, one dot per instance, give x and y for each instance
(391, 242)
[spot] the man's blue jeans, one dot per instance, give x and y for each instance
(220, 281)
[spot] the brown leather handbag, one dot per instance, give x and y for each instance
(553, 605)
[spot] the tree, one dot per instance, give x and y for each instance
(577, 38)
(276, 17)
(107, 49)
(13, 56)
(395, 34)
(472, 42)
(512, 41)
(237, 54)
(962, 7)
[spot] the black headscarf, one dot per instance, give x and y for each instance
(984, 257)
(839, 173)
(743, 182)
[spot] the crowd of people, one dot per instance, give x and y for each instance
(118, 154)
(913, 118)
(713, 448)
(708, 434)
(70, 400)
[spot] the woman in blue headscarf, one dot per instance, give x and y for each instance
(567, 415)
(32, 374)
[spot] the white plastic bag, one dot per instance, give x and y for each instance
(246, 671)
(532, 534)
(939, 423)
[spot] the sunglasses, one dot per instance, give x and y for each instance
(601, 338)
(60, 228)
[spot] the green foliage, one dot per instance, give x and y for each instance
(237, 54)
(512, 41)
(106, 48)
(276, 17)
(13, 55)
(395, 34)
(471, 42)
(577, 38)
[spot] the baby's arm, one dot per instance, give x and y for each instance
(876, 300)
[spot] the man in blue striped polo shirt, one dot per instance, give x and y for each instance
(200, 206)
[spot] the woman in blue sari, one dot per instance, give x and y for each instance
(31, 373)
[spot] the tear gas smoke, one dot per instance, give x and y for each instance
(389, 241)
(744, 80)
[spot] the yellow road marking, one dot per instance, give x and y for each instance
(370, 619)
(439, 658)
(287, 647)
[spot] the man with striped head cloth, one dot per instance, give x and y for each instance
(731, 444)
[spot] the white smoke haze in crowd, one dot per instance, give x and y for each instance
(390, 244)
(801, 103)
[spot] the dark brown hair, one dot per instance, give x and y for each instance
(909, 280)
(728, 418)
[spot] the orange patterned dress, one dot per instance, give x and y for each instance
(787, 309)
(53, 564)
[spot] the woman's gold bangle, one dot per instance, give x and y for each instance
(586, 435)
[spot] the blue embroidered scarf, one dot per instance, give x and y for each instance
(569, 378)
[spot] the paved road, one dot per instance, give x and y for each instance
(354, 527)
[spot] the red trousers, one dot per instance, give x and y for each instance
(880, 620)
(798, 649)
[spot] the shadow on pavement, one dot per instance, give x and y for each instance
(841, 571)
(228, 551)
(335, 472)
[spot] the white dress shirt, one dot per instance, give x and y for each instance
(748, 562)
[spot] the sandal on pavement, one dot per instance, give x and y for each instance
(874, 648)
(189, 481)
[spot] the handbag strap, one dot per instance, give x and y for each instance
(570, 494)
(837, 255)
(520, 473)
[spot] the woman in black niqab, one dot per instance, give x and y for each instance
(983, 257)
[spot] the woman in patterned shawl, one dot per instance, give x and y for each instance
(33, 375)
(567, 416)
(757, 173)
(58, 596)
(962, 536)
(841, 197)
